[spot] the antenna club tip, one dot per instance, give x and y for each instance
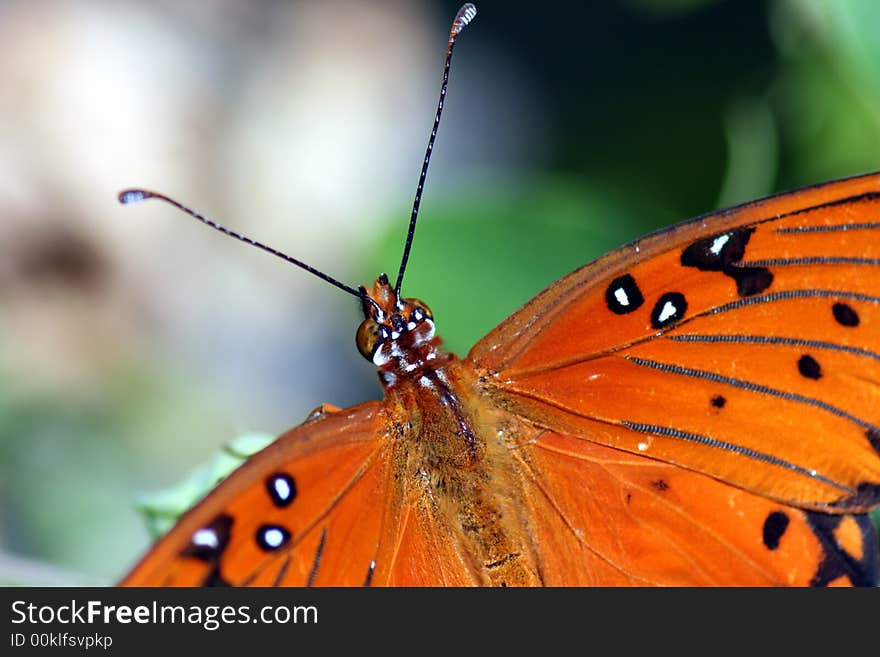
(465, 15)
(127, 196)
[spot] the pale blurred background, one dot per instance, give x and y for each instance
(135, 342)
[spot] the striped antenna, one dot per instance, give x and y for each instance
(462, 19)
(136, 195)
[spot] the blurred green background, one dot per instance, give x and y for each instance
(134, 343)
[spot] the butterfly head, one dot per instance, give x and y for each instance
(394, 330)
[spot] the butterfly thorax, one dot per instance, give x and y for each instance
(447, 446)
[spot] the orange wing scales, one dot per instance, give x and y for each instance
(849, 546)
(644, 522)
(288, 516)
(741, 345)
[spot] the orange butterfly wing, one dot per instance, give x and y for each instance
(743, 345)
(314, 482)
(604, 517)
(320, 506)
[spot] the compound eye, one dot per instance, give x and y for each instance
(370, 336)
(420, 310)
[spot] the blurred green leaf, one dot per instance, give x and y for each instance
(828, 89)
(161, 509)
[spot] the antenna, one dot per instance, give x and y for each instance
(464, 16)
(136, 195)
(462, 19)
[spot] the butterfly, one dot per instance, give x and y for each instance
(698, 407)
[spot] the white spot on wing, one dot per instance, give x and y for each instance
(282, 488)
(719, 243)
(206, 538)
(620, 295)
(669, 310)
(273, 537)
